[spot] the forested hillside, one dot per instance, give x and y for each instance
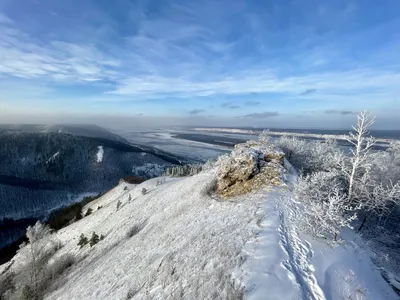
(42, 171)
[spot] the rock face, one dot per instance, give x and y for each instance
(250, 166)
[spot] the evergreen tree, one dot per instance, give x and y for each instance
(94, 239)
(83, 240)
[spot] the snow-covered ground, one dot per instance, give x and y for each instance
(100, 154)
(192, 245)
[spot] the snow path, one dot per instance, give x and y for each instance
(299, 254)
(277, 261)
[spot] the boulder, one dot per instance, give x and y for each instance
(250, 166)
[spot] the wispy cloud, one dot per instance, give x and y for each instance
(230, 105)
(196, 111)
(340, 112)
(308, 92)
(262, 115)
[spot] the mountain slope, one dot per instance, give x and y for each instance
(178, 240)
(42, 171)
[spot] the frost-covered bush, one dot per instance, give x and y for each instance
(144, 191)
(310, 156)
(7, 285)
(61, 264)
(184, 170)
(325, 207)
(133, 230)
(160, 181)
(209, 164)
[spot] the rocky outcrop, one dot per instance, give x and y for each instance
(250, 166)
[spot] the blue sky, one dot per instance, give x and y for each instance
(271, 63)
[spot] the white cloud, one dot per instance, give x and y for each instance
(252, 81)
(184, 54)
(25, 57)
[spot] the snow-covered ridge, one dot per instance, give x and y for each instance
(191, 244)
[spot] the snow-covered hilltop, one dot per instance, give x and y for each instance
(225, 233)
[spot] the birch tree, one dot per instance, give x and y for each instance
(362, 146)
(35, 256)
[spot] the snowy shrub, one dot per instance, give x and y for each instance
(310, 156)
(119, 203)
(83, 240)
(144, 191)
(29, 293)
(61, 264)
(94, 239)
(211, 187)
(209, 164)
(264, 137)
(135, 229)
(131, 293)
(88, 212)
(6, 284)
(325, 207)
(160, 181)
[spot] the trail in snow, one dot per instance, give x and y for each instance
(299, 254)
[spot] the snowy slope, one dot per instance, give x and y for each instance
(283, 263)
(194, 246)
(189, 242)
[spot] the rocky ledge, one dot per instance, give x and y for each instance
(250, 166)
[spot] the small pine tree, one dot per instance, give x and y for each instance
(94, 239)
(144, 191)
(129, 197)
(102, 237)
(83, 240)
(119, 203)
(88, 212)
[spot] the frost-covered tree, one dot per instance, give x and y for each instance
(35, 256)
(360, 153)
(326, 210)
(265, 137)
(184, 170)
